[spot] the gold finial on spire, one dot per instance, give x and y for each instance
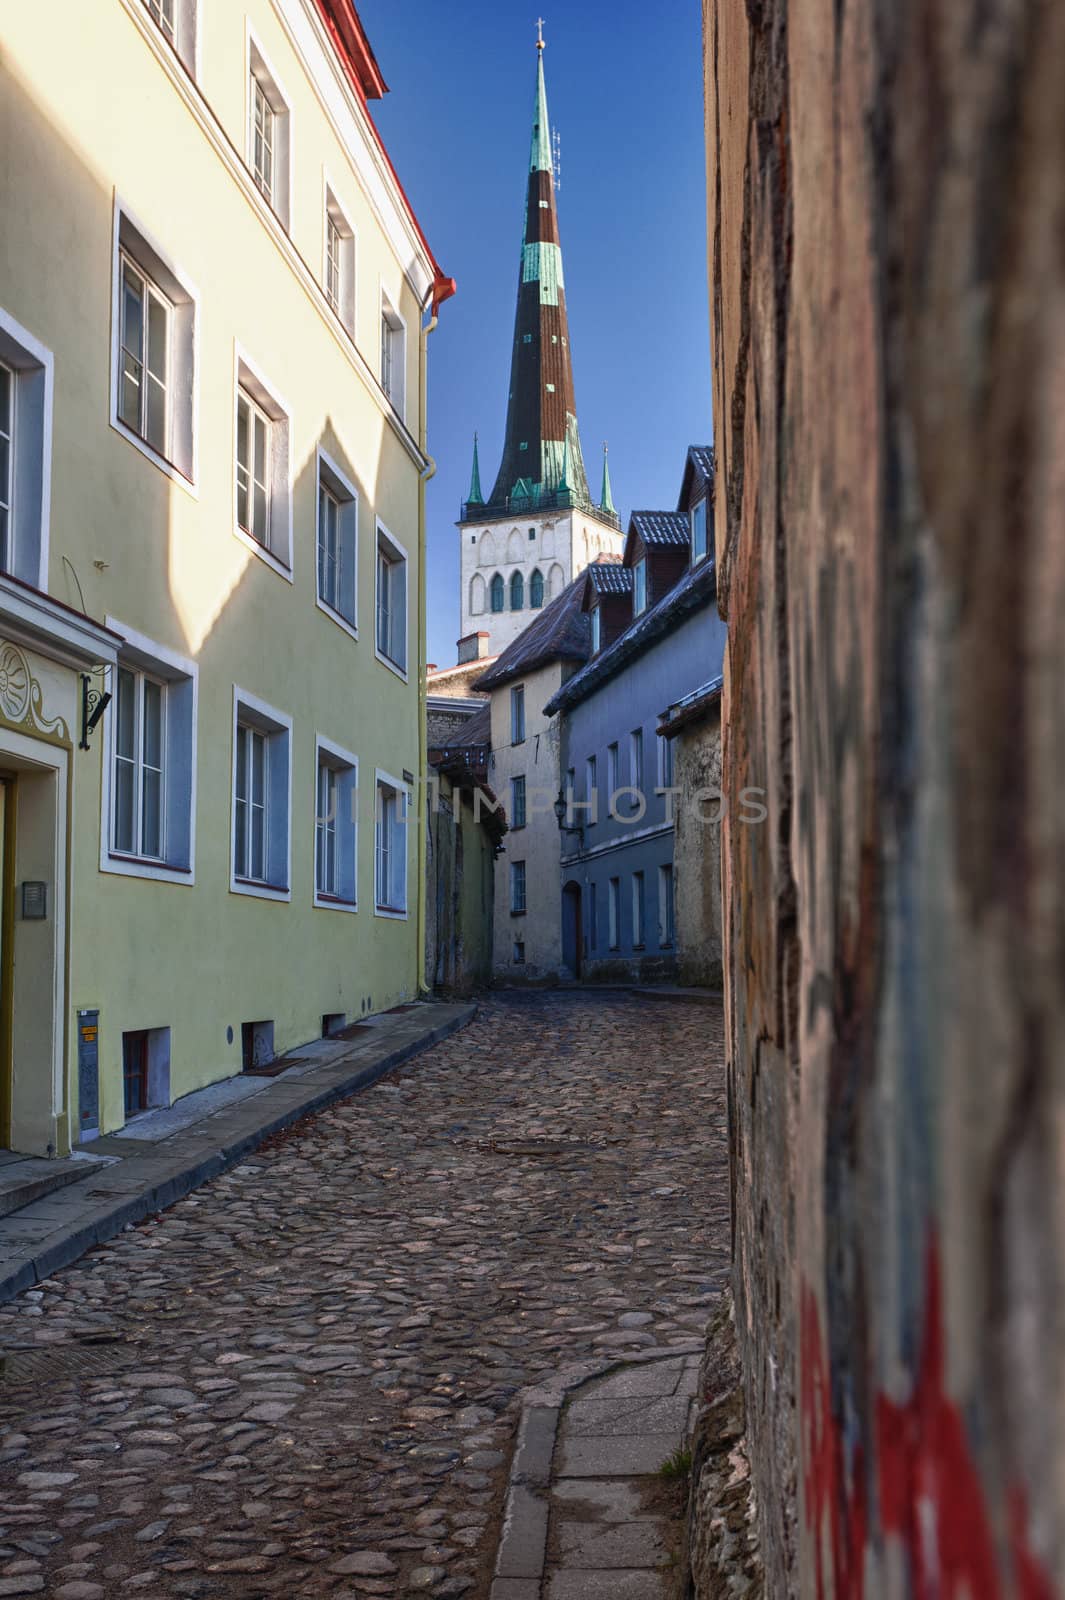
(540, 33)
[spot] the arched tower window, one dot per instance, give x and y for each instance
(517, 591)
(536, 589)
(515, 546)
(486, 550)
(476, 595)
(556, 581)
(498, 592)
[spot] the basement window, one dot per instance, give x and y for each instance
(256, 1044)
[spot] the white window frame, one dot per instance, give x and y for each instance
(347, 296)
(665, 762)
(184, 41)
(639, 911)
(597, 630)
(330, 476)
(696, 558)
(140, 654)
(639, 587)
(7, 479)
(395, 393)
(385, 780)
(519, 874)
(277, 552)
(258, 69)
(518, 787)
(33, 366)
(341, 761)
(395, 554)
(273, 723)
(613, 771)
(517, 714)
(591, 788)
(614, 913)
(636, 759)
(130, 238)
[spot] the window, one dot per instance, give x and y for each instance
(253, 471)
(145, 1069)
(337, 541)
(613, 771)
(536, 590)
(148, 785)
(393, 353)
(637, 910)
(597, 630)
(665, 762)
(261, 794)
(517, 714)
(639, 587)
(614, 912)
(335, 827)
(269, 134)
(593, 917)
(7, 463)
(176, 21)
(636, 759)
(153, 352)
(339, 275)
(519, 951)
(699, 531)
(591, 792)
(517, 802)
(517, 591)
(390, 887)
(532, 533)
(140, 723)
(517, 887)
(391, 632)
(666, 932)
(497, 593)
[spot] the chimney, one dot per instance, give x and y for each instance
(474, 647)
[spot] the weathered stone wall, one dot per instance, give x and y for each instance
(886, 227)
(697, 850)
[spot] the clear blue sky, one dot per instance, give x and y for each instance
(624, 87)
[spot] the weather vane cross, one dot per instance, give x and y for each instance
(539, 33)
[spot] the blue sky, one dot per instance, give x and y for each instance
(624, 89)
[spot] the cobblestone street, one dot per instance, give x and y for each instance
(302, 1379)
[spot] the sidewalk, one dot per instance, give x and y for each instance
(588, 1514)
(165, 1154)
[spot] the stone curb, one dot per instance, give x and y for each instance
(522, 1554)
(95, 1226)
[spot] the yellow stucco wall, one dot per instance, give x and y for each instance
(90, 108)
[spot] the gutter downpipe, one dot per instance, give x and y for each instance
(427, 472)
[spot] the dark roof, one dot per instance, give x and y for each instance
(661, 527)
(698, 464)
(694, 591)
(478, 730)
(690, 707)
(609, 577)
(560, 632)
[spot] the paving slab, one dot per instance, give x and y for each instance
(658, 1378)
(625, 1456)
(591, 1545)
(607, 1418)
(578, 1584)
(601, 1499)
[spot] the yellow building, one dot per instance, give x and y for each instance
(214, 301)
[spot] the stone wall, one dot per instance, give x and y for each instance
(886, 217)
(697, 849)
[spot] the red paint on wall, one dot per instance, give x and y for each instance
(929, 1490)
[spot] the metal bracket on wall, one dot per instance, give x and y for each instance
(94, 702)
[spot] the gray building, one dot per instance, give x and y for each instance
(656, 636)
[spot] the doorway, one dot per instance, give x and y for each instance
(572, 928)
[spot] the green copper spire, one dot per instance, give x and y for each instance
(475, 497)
(606, 499)
(540, 158)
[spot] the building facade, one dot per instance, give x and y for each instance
(654, 633)
(539, 527)
(212, 444)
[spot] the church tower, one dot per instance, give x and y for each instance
(539, 527)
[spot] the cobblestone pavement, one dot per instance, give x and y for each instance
(301, 1379)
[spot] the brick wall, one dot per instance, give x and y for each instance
(887, 274)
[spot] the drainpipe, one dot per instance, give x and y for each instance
(423, 751)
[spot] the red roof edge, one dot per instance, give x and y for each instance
(344, 26)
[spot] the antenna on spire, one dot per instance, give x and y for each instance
(540, 34)
(556, 158)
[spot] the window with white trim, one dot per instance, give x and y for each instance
(637, 910)
(269, 134)
(699, 527)
(153, 351)
(639, 587)
(335, 827)
(391, 620)
(517, 714)
(339, 274)
(337, 541)
(613, 772)
(262, 480)
(636, 759)
(393, 353)
(517, 888)
(597, 630)
(614, 912)
(7, 463)
(517, 802)
(262, 741)
(390, 885)
(176, 21)
(149, 762)
(665, 762)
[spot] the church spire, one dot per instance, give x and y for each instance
(542, 461)
(606, 499)
(476, 498)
